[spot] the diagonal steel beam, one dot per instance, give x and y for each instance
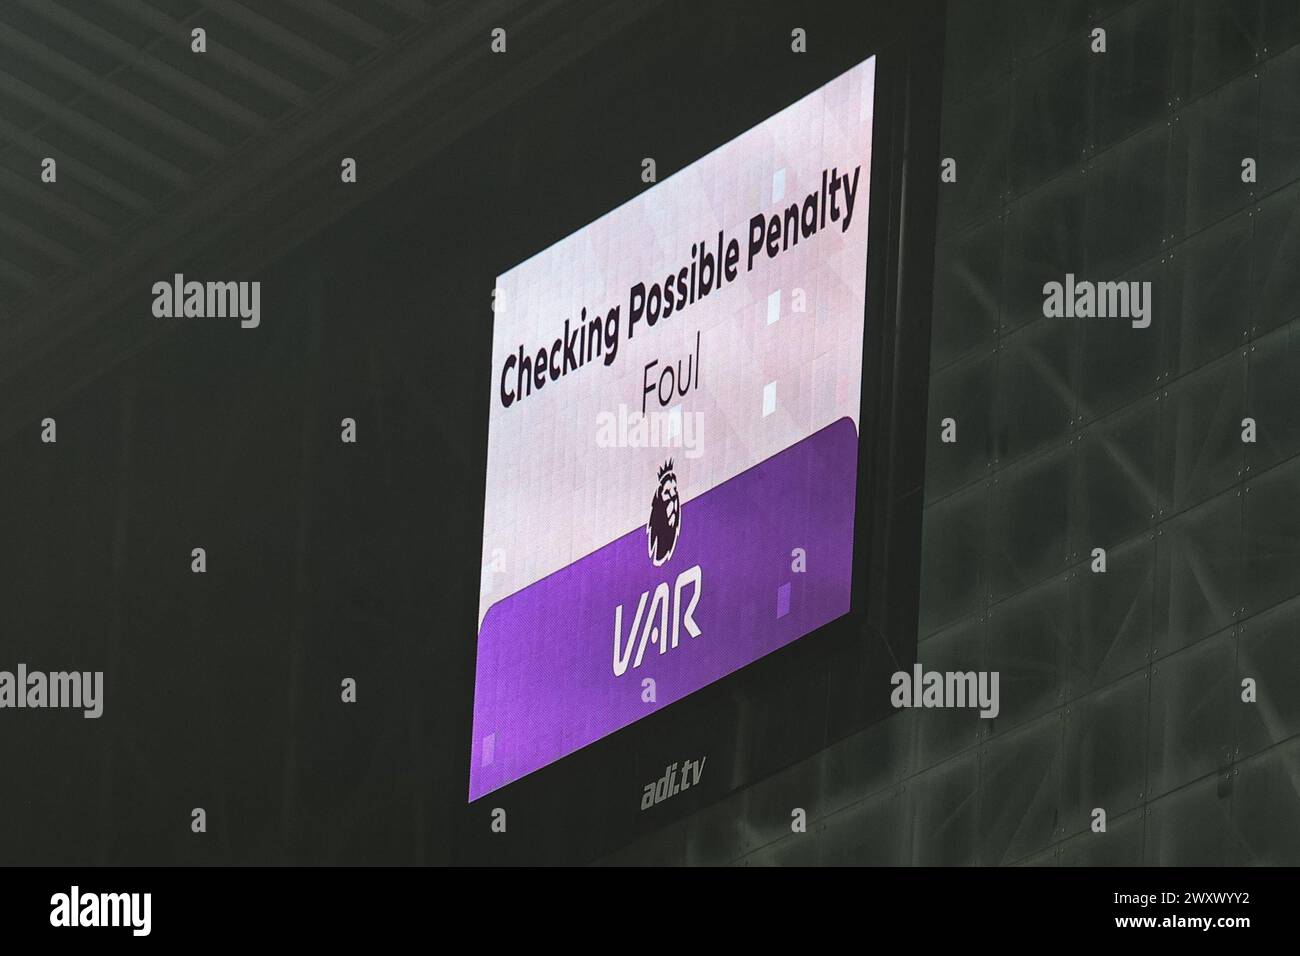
(224, 57)
(105, 185)
(276, 35)
(36, 355)
(412, 9)
(100, 135)
(343, 21)
(228, 109)
(96, 85)
(26, 235)
(11, 182)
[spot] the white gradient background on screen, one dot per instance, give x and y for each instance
(553, 494)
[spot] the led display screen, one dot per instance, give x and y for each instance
(673, 436)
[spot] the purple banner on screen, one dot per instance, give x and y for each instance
(561, 662)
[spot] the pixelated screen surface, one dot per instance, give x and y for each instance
(673, 436)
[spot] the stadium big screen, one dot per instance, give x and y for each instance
(673, 455)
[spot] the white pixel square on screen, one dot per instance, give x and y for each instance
(778, 185)
(769, 398)
(773, 306)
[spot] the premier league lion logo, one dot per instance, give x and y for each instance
(665, 517)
